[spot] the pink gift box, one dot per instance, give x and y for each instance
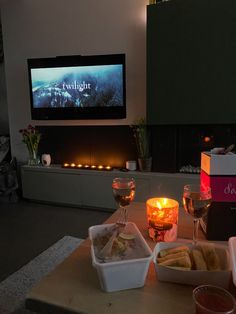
(223, 188)
(215, 164)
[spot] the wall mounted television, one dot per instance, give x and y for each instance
(77, 87)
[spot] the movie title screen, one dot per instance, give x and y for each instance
(79, 86)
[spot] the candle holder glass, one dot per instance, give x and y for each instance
(162, 216)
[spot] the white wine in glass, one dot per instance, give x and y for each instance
(196, 200)
(123, 192)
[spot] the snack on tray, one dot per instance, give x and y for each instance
(198, 260)
(182, 262)
(210, 256)
(202, 258)
(177, 249)
(171, 256)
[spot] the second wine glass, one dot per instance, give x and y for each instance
(196, 200)
(123, 192)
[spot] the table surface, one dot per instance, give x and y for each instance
(73, 287)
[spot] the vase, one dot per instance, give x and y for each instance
(145, 164)
(46, 160)
(33, 158)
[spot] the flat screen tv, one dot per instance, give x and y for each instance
(78, 87)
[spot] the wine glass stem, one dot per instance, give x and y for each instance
(124, 214)
(195, 230)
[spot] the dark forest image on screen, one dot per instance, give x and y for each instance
(77, 86)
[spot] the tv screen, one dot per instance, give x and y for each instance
(78, 87)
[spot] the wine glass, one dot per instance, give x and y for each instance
(196, 200)
(123, 192)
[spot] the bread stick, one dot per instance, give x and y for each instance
(183, 261)
(171, 256)
(198, 260)
(210, 256)
(177, 249)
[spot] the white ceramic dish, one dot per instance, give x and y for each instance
(194, 277)
(122, 274)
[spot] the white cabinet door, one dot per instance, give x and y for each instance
(97, 191)
(52, 187)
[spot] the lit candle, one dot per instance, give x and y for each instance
(86, 166)
(100, 167)
(72, 165)
(93, 167)
(108, 167)
(66, 164)
(79, 166)
(162, 216)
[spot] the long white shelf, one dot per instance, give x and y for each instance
(92, 188)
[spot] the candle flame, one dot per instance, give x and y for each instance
(158, 205)
(165, 201)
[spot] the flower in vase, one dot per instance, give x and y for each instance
(31, 137)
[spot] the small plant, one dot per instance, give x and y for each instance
(142, 137)
(31, 137)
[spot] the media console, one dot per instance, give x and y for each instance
(92, 188)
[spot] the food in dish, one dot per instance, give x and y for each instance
(177, 249)
(198, 259)
(127, 245)
(210, 256)
(203, 257)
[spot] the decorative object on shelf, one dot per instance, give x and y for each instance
(145, 164)
(142, 139)
(131, 165)
(31, 137)
(162, 216)
(46, 160)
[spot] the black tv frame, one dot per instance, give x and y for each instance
(77, 113)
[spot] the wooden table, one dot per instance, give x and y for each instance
(73, 287)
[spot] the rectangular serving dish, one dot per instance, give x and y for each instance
(194, 277)
(122, 274)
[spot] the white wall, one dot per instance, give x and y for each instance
(44, 28)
